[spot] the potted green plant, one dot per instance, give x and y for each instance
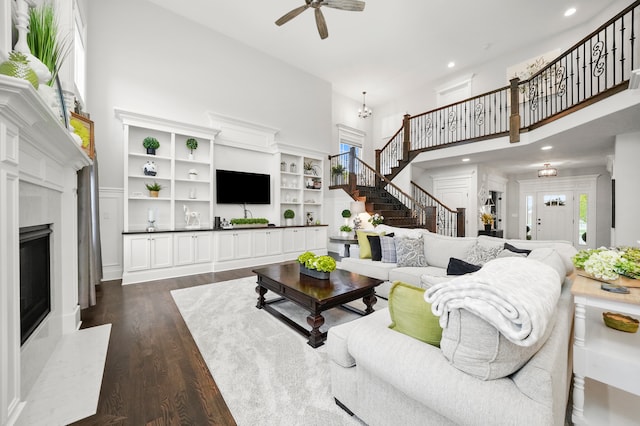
(310, 168)
(346, 214)
(43, 40)
(154, 188)
(151, 144)
(319, 267)
(345, 230)
(288, 217)
(338, 173)
(192, 144)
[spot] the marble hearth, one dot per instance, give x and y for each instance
(38, 164)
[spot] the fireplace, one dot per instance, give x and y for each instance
(35, 278)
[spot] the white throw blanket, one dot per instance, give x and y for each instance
(516, 295)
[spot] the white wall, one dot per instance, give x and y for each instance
(142, 58)
(627, 175)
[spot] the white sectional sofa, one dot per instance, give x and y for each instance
(386, 377)
(438, 250)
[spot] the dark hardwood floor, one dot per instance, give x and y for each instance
(154, 373)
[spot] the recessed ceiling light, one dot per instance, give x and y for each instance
(451, 64)
(570, 11)
(546, 148)
(464, 160)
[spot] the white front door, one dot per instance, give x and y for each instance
(554, 219)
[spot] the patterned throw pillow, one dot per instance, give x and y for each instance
(388, 246)
(479, 255)
(410, 252)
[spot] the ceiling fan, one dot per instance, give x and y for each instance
(351, 5)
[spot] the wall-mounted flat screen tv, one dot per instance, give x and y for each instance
(242, 188)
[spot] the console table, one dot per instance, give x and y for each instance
(492, 233)
(347, 241)
(601, 353)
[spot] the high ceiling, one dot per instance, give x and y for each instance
(396, 46)
(393, 46)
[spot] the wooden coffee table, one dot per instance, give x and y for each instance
(314, 295)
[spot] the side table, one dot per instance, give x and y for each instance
(347, 241)
(601, 353)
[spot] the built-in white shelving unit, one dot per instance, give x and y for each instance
(174, 164)
(301, 187)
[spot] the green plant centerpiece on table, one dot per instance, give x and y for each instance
(609, 263)
(151, 144)
(316, 266)
(192, 144)
(345, 229)
(250, 221)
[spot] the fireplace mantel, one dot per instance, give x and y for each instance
(38, 164)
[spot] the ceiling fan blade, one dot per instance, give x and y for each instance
(322, 24)
(289, 16)
(351, 5)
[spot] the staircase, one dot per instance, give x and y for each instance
(381, 196)
(378, 200)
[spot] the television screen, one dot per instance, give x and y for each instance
(242, 188)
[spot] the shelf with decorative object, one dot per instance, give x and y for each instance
(300, 183)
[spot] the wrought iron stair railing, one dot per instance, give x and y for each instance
(448, 222)
(382, 196)
(596, 67)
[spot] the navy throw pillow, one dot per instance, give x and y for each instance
(509, 247)
(460, 267)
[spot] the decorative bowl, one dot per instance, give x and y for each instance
(620, 322)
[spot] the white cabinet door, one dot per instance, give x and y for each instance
(161, 251)
(274, 242)
(244, 244)
(136, 253)
(202, 245)
(267, 243)
(316, 238)
(183, 249)
(294, 240)
(224, 246)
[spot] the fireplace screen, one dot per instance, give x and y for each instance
(35, 278)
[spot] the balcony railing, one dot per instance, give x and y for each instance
(597, 66)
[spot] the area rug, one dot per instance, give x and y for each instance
(266, 372)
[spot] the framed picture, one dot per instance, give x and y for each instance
(83, 127)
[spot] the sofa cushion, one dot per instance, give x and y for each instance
(515, 249)
(407, 274)
(439, 248)
(363, 243)
(411, 314)
(479, 254)
(366, 267)
(410, 251)
(476, 347)
(460, 267)
(388, 248)
(550, 257)
(401, 232)
(376, 249)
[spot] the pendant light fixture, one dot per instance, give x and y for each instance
(364, 112)
(548, 171)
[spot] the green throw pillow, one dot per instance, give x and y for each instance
(363, 242)
(411, 314)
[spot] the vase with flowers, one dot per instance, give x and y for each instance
(620, 265)
(487, 221)
(376, 219)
